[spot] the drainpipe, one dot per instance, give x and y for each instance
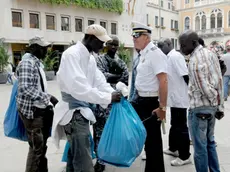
(159, 1)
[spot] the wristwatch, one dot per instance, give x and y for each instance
(163, 108)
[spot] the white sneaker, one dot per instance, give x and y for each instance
(169, 152)
(143, 157)
(180, 162)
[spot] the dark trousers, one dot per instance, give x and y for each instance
(38, 131)
(153, 145)
(79, 154)
(178, 135)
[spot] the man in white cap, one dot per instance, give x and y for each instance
(34, 105)
(82, 85)
(151, 86)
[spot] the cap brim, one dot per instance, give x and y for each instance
(104, 38)
(44, 44)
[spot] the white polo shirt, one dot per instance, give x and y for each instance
(177, 87)
(152, 62)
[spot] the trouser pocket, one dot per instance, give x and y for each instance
(203, 116)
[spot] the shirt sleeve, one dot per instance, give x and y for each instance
(77, 83)
(26, 84)
(158, 62)
(102, 66)
(180, 65)
(125, 74)
(100, 82)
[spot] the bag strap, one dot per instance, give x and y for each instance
(41, 80)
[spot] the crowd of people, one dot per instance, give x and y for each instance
(87, 80)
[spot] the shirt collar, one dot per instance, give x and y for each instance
(116, 57)
(171, 52)
(196, 50)
(147, 48)
(36, 60)
(83, 48)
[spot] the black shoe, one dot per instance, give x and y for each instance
(99, 167)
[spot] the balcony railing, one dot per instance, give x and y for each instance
(205, 2)
(200, 3)
(215, 1)
(210, 31)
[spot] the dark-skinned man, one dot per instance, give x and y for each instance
(151, 85)
(34, 104)
(82, 84)
(115, 70)
(178, 101)
(206, 100)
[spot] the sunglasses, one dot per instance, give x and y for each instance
(138, 34)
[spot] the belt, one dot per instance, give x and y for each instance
(148, 94)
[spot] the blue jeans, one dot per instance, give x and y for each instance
(201, 126)
(79, 155)
(226, 81)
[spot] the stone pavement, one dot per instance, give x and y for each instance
(13, 152)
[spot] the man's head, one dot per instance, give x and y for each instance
(95, 37)
(141, 35)
(112, 45)
(38, 47)
(188, 42)
(165, 45)
(201, 41)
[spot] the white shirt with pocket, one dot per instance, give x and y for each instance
(152, 62)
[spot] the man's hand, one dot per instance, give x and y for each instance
(160, 113)
(53, 100)
(219, 115)
(116, 96)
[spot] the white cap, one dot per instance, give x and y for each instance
(39, 40)
(140, 27)
(98, 31)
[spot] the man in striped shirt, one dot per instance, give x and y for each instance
(206, 100)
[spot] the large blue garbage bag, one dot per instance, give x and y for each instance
(13, 125)
(123, 136)
(65, 154)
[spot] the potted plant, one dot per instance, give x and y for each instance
(157, 26)
(172, 29)
(49, 61)
(177, 30)
(124, 54)
(4, 57)
(163, 27)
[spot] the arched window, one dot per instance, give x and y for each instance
(213, 21)
(186, 23)
(197, 22)
(219, 20)
(203, 21)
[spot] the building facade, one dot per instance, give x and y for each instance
(209, 18)
(164, 19)
(60, 24)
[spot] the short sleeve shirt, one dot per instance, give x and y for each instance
(152, 62)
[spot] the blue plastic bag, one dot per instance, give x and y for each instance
(65, 154)
(13, 125)
(123, 136)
